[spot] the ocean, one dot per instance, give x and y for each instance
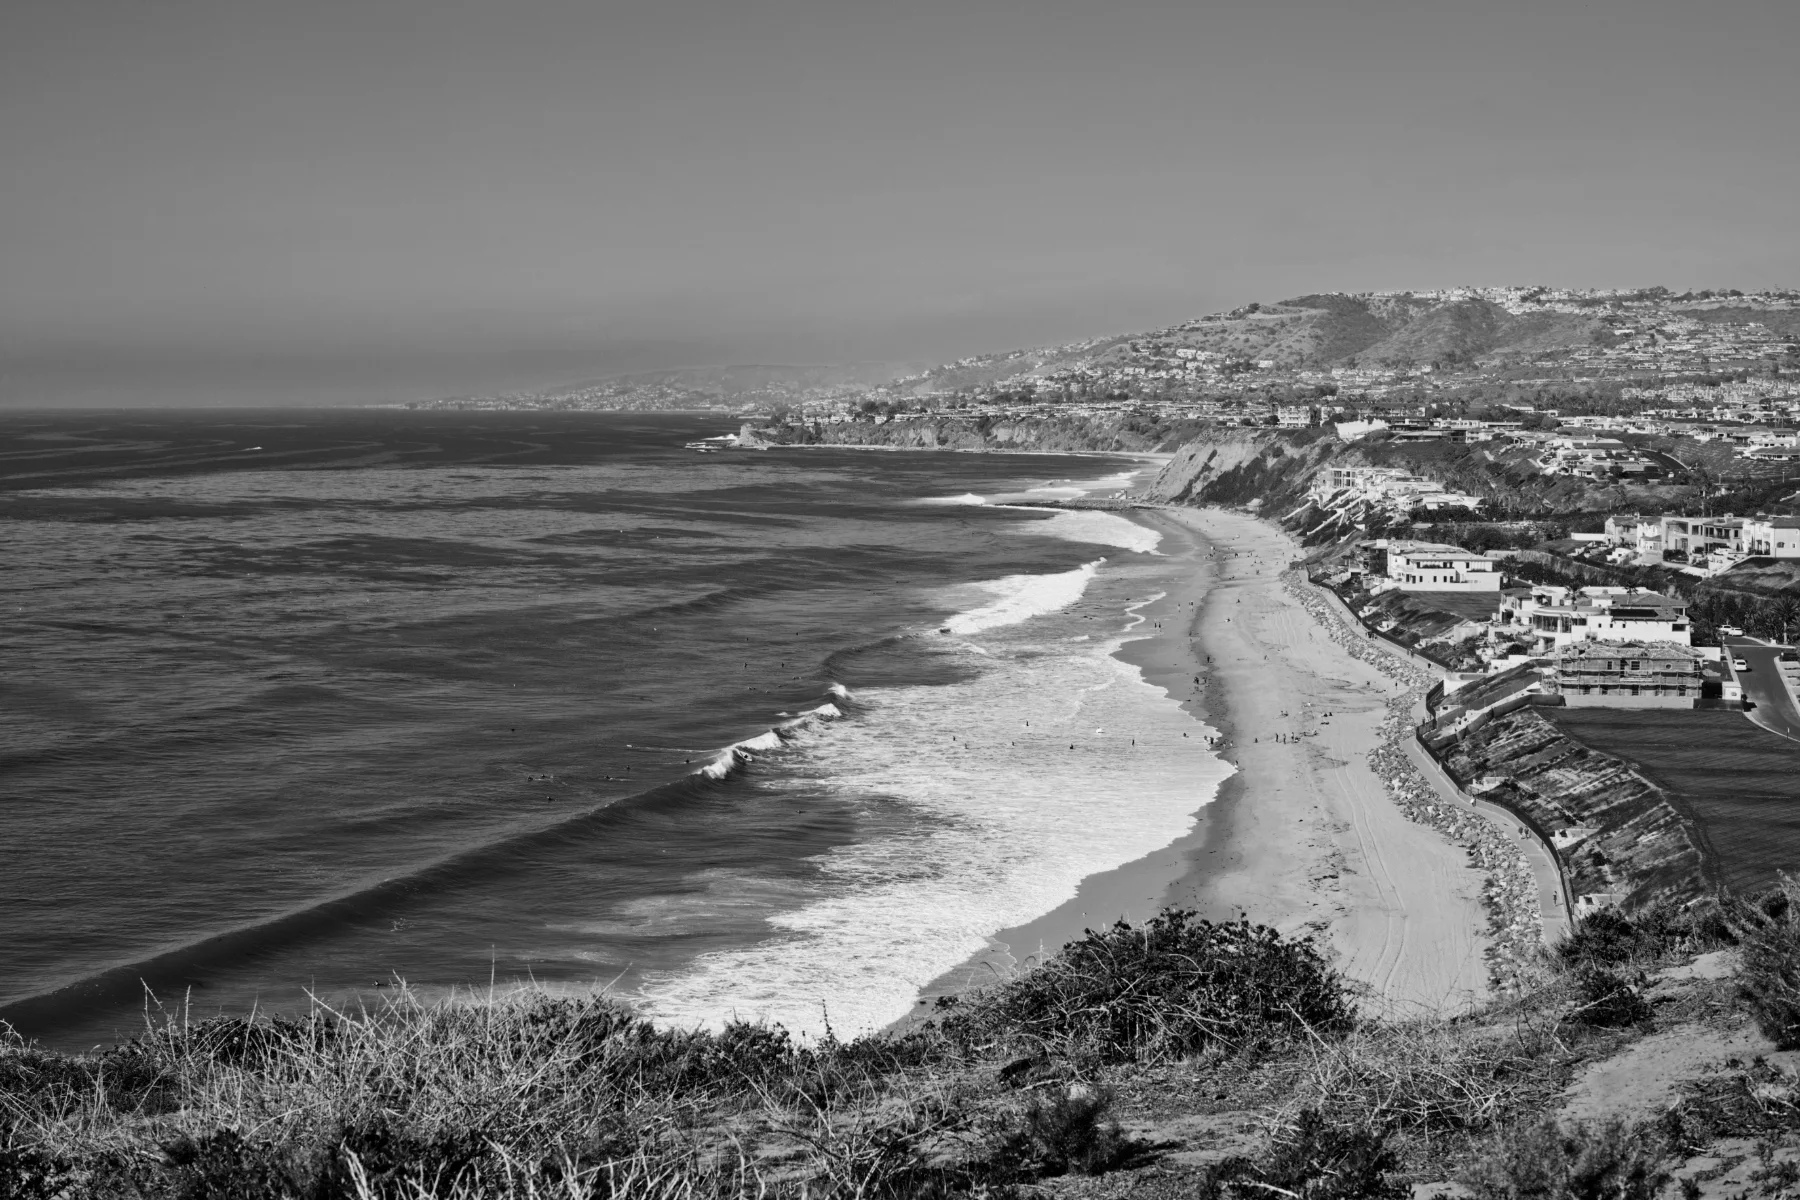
(314, 702)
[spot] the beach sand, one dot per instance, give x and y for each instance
(1304, 836)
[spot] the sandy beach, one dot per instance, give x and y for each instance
(1303, 836)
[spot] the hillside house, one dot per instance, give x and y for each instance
(1772, 537)
(1433, 567)
(1625, 675)
(1642, 536)
(1548, 617)
(1700, 539)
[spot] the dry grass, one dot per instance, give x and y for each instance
(1429, 1079)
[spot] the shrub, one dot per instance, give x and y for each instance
(1430, 1078)
(224, 1166)
(1167, 989)
(1768, 935)
(1605, 1000)
(1610, 938)
(1315, 1160)
(1548, 1162)
(1069, 1130)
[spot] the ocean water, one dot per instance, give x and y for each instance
(318, 701)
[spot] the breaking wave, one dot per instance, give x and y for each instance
(734, 758)
(1021, 597)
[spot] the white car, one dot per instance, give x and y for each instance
(1738, 664)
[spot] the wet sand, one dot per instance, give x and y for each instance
(1303, 836)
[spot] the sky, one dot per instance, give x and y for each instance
(322, 202)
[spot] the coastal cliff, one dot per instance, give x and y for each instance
(1060, 434)
(1263, 468)
(1259, 468)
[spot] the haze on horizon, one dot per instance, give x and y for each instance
(208, 202)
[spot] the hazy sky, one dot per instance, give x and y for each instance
(389, 199)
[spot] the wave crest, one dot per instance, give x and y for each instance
(1021, 597)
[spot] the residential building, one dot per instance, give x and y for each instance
(1641, 535)
(1694, 539)
(1550, 617)
(1433, 567)
(1772, 537)
(1625, 674)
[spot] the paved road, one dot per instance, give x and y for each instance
(1775, 710)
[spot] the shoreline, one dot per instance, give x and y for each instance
(1159, 457)
(1136, 890)
(1304, 835)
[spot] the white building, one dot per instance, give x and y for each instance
(1433, 567)
(1772, 537)
(1552, 617)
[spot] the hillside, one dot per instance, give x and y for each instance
(1369, 345)
(1324, 330)
(1055, 434)
(1274, 468)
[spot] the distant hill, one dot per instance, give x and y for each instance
(1314, 331)
(752, 379)
(1367, 339)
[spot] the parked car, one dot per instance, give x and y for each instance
(1739, 664)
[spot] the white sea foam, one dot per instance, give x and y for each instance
(1021, 799)
(1020, 597)
(1096, 527)
(965, 498)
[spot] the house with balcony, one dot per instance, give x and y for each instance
(1546, 617)
(1625, 674)
(1706, 544)
(1772, 537)
(1434, 567)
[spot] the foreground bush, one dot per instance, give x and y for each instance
(1315, 1160)
(1428, 1078)
(1168, 989)
(1546, 1161)
(1606, 1000)
(529, 1094)
(1768, 934)
(1610, 938)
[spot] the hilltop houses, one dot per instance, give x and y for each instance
(1704, 545)
(1389, 490)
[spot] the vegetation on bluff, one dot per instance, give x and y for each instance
(1179, 1058)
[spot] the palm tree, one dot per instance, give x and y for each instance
(1787, 611)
